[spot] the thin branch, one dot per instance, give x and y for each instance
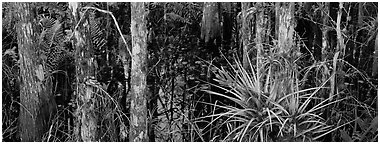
(76, 27)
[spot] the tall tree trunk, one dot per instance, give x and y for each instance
(337, 80)
(237, 38)
(227, 24)
(325, 29)
(375, 58)
(87, 118)
(153, 87)
(36, 91)
(325, 44)
(359, 36)
(139, 111)
(124, 49)
(246, 32)
(259, 35)
(285, 46)
(340, 46)
(276, 19)
(285, 26)
(210, 31)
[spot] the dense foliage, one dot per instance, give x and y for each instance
(202, 91)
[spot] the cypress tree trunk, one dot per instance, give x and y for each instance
(260, 31)
(35, 90)
(87, 119)
(210, 31)
(285, 26)
(263, 30)
(285, 46)
(139, 111)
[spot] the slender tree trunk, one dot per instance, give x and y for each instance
(325, 47)
(325, 14)
(126, 60)
(153, 88)
(260, 36)
(139, 111)
(340, 47)
(36, 91)
(375, 57)
(359, 39)
(237, 32)
(246, 32)
(276, 19)
(87, 118)
(336, 79)
(351, 27)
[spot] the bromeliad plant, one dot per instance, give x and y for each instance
(270, 106)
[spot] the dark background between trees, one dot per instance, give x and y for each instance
(255, 71)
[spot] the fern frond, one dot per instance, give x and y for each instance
(52, 33)
(46, 22)
(52, 43)
(97, 33)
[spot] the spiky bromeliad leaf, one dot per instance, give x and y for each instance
(258, 113)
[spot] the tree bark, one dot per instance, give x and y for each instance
(37, 102)
(210, 31)
(285, 26)
(139, 111)
(359, 37)
(286, 48)
(259, 35)
(87, 118)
